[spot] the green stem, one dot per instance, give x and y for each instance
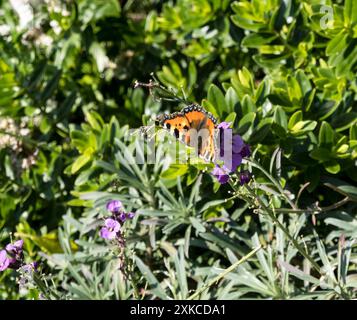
(46, 292)
(223, 274)
(284, 229)
(276, 183)
(317, 210)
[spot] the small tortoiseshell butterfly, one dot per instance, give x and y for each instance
(191, 120)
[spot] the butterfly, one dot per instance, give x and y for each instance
(194, 126)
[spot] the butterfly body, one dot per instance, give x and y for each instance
(194, 126)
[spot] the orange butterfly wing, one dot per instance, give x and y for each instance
(190, 121)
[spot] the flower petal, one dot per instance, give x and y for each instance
(111, 223)
(224, 125)
(122, 216)
(114, 206)
(245, 152)
(104, 233)
(4, 261)
(220, 174)
(2, 256)
(244, 177)
(131, 215)
(19, 244)
(236, 161)
(237, 143)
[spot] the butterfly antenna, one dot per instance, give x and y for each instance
(144, 130)
(166, 94)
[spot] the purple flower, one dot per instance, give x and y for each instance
(110, 230)
(220, 174)
(236, 162)
(232, 151)
(245, 152)
(131, 215)
(114, 206)
(4, 260)
(244, 177)
(15, 248)
(237, 144)
(224, 125)
(122, 216)
(28, 268)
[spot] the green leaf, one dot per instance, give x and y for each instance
(216, 98)
(95, 120)
(344, 121)
(248, 105)
(337, 44)
(232, 100)
(280, 117)
(298, 273)
(51, 86)
(255, 40)
(350, 12)
(179, 260)
(332, 166)
(260, 132)
(302, 127)
(321, 154)
(353, 132)
(326, 135)
(231, 117)
(247, 24)
(154, 284)
(210, 107)
(197, 225)
(174, 171)
(294, 90)
(80, 162)
(294, 119)
(246, 122)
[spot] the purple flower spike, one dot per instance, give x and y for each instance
(114, 206)
(110, 230)
(4, 260)
(16, 247)
(244, 177)
(122, 216)
(131, 215)
(220, 174)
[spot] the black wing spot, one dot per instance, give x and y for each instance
(168, 126)
(177, 133)
(185, 127)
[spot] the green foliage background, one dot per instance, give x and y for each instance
(287, 81)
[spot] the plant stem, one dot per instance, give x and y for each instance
(223, 274)
(276, 183)
(318, 210)
(284, 229)
(46, 291)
